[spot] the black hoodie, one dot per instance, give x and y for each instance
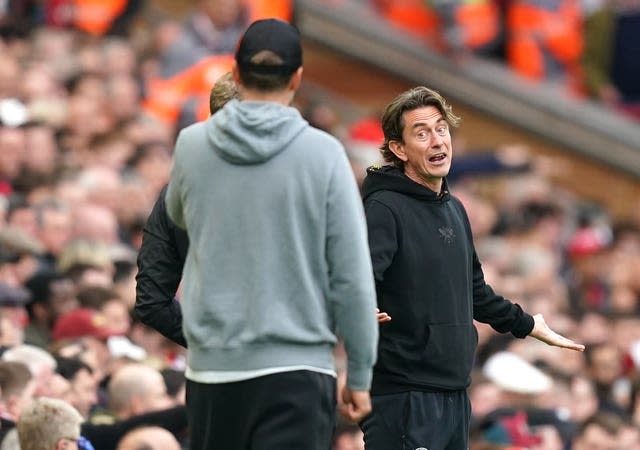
(429, 280)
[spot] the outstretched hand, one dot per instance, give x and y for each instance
(542, 332)
(382, 316)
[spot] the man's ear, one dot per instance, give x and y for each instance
(296, 80)
(398, 149)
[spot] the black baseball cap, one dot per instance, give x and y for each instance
(275, 35)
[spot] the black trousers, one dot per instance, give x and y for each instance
(417, 421)
(288, 410)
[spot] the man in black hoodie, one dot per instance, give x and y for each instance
(429, 279)
(164, 250)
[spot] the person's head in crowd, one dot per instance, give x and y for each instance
(598, 432)
(13, 301)
(223, 13)
(148, 438)
(83, 393)
(87, 116)
(50, 424)
(124, 282)
(484, 395)
(628, 436)
(9, 76)
(101, 186)
(125, 95)
(136, 388)
(593, 327)
(12, 152)
(21, 251)
(39, 362)
(96, 223)
(52, 294)
(22, 215)
(151, 163)
(17, 389)
(119, 57)
(583, 398)
(83, 333)
(108, 302)
(42, 149)
(268, 61)
(604, 363)
(110, 150)
(55, 226)
(223, 90)
(87, 263)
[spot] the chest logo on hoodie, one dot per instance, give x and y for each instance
(447, 234)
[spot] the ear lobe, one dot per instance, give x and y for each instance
(398, 150)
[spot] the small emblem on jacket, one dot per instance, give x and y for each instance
(447, 234)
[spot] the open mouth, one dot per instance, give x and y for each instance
(438, 157)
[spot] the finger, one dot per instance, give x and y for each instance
(383, 317)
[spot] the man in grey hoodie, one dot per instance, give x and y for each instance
(278, 264)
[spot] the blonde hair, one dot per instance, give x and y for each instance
(45, 421)
(224, 90)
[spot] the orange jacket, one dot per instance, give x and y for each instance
(96, 16)
(165, 97)
(478, 21)
(535, 34)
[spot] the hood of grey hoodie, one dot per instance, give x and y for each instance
(251, 132)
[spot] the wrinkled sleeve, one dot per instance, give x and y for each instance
(160, 264)
(351, 289)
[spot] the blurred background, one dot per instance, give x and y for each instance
(546, 161)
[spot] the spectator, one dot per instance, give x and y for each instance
(18, 388)
(12, 308)
(544, 41)
(212, 29)
(83, 392)
(609, 61)
(148, 438)
(40, 363)
(52, 295)
(164, 250)
(135, 389)
(598, 431)
(50, 424)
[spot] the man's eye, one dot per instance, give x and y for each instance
(422, 135)
(441, 130)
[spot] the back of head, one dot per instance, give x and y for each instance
(136, 388)
(14, 378)
(223, 90)
(38, 360)
(268, 54)
(45, 422)
(149, 438)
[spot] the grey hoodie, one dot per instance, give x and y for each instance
(278, 262)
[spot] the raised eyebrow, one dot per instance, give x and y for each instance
(424, 124)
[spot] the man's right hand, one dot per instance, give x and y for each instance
(355, 405)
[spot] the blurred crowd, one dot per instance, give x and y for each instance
(591, 48)
(90, 103)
